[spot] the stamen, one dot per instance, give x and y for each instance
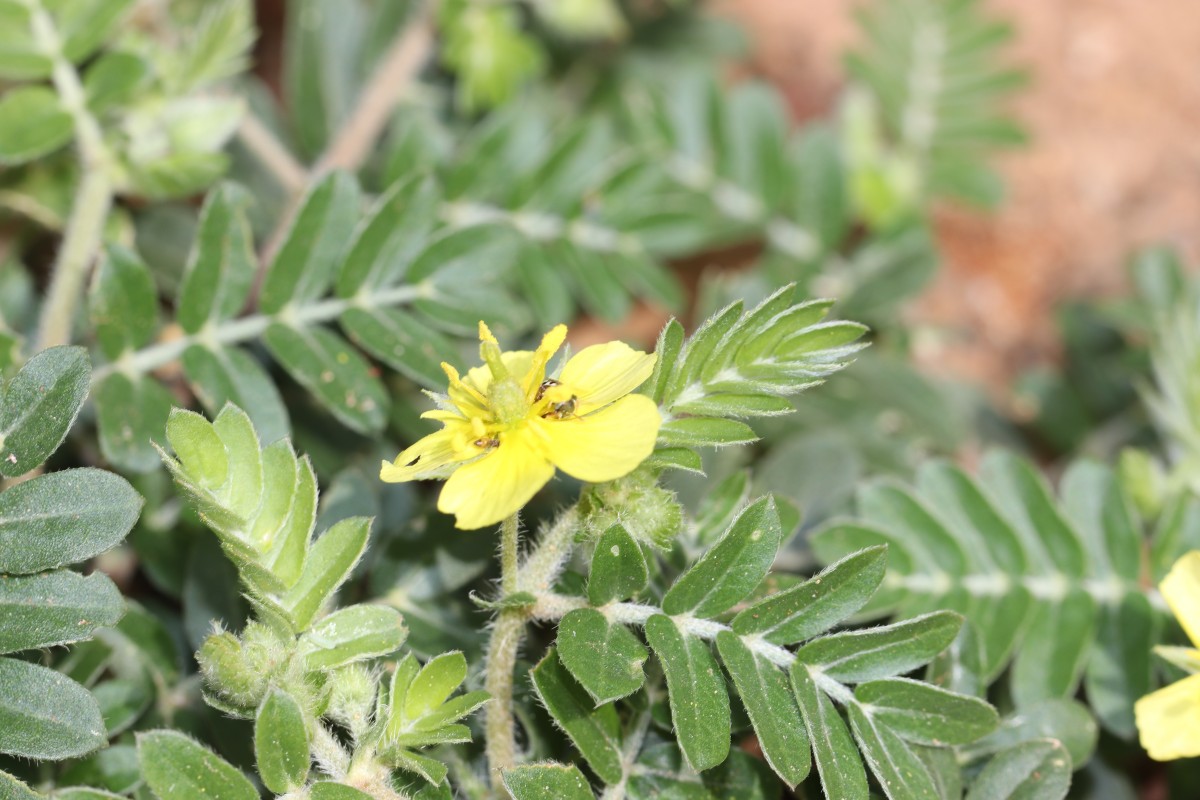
(458, 382)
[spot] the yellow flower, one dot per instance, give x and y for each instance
(506, 426)
(1169, 720)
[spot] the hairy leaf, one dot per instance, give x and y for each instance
(618, 569)
(872, 653)
(732, 568)
(593, 730)
(763, 688)
(55, 608)
(699, 701)
(281, 742)
(64, 517)
(46, 715)
(547, 782)
(39, 405)
(605, 657)
(812, 607)
(176, 767)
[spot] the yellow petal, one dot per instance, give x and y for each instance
(497, 485)
(531, 380)
(600, 374)
(442, 415)
(1169, 720)
(1181, 590)
(430, 457)
(604, 445)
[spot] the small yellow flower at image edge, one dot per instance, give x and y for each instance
(506, 427)
(1168, 720)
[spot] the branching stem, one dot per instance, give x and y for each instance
(501, 660)
(85, 229)
(252, 326)
(541, 569)
(551, 606)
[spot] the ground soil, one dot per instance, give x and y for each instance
(1114, 162)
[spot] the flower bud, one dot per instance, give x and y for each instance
(229, 671)
(352, 698)
(649, 512)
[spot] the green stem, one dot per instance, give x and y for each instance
(250, 327)
(544, 565)
(510, 540)
(501, 724)
(85, 229)
(501, 660)
(329, 754)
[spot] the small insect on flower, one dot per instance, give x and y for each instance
(1168, 720)
(506, 427)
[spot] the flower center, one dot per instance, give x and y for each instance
(506, 398)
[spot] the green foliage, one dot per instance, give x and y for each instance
(296, 663)
(47, 522)
(740, 365)
(487, 50)
(140, 106)
(1171, 301)
(733, 165)
(32, 124)
(1052, 587)
(46, 715)
(547, 782)
(54, 608)
(39, 405)
(422, 713)
(594, 730)
(334, 282)
(937, 87)
(1034, 769)
(281, 742)
(176, 767)
(789, 695)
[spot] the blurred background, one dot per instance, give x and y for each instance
(1112, 162)
(1002, 192)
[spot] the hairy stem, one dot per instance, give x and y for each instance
(501, 724)
(501, 659)
(331, 757)
(552, 607)
(541, 569)
(545, 563)
(252, 326)
(510, 540)
(85, 228)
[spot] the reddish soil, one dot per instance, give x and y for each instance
(1114, 162)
